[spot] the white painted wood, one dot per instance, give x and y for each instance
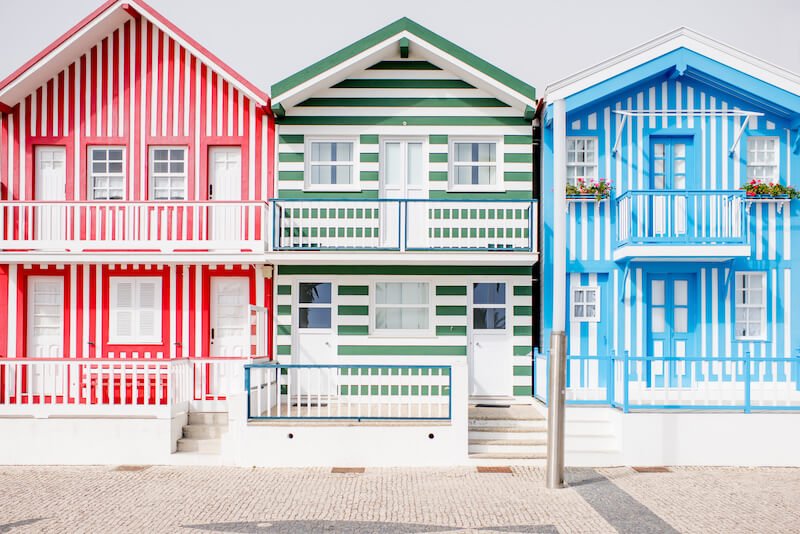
(50, 185)
(225, 182)
(490, 350)
(230, 316)
(45, 336)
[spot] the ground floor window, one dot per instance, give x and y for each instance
(751, 305)
(585, 304)
(135, 309)
(402, 306)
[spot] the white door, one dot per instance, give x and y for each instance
(230, 316)
(225, 184)
(491, 364)
(314, 340)
(403, 177)
(50, 185)
(45, 333)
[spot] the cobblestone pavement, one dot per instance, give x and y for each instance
(399, 501)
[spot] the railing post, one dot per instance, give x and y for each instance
(626, 383)
(610, 380)
(247, 388)
(402, 225)
(747, 382)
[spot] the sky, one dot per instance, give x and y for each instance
(536, 41)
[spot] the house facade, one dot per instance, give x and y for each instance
(680, 288)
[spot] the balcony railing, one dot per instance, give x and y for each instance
(681, 217)
(404, 224)
(134, 226)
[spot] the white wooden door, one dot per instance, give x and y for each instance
(490, 364)
(45, 336)
(230, 316)
(225, 184)
(314, 339)
(50, 185)
(403, 177)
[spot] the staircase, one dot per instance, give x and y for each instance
(515, 434)
(202, 434)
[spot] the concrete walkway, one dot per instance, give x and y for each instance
(458, 500)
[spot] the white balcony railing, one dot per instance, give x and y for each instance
(134, 226)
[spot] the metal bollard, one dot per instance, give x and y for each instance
(555, 410)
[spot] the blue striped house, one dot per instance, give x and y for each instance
(680, 287)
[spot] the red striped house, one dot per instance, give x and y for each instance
(134, 175)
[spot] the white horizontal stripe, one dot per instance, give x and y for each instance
(403, 112)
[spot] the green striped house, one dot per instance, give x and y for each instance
(404, 210)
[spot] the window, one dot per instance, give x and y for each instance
(474, 164)
(135, 309)
(751, 305)
(586, 304)
(762, 158)
(315, 304)
(581, 159)
(106, 173)
(331, 164)
(167, 173)
(489, 306)
(402, 306)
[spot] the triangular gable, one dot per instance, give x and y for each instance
(409, 37)
(92, 29)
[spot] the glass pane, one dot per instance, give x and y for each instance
(657, 293)
(591, 311)
(315, 317)
(657, 320)
(414, 318)
(754, 330)
(343, 151)
(160, 154)
(401, 293)
(315, 293)
(681, 320)
(578, 311)
(680, 166)
(681, 292)
(342, 174)
(415, 164)
(176, 154)
(658, 150)
(394, 164)
(489, 318)
(658, 166)
(489, 293)
(591, 296)
(679, 150)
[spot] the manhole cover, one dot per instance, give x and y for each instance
(347, 470)
(652, 469)
(494, 469)
(131, 467)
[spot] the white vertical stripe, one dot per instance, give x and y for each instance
(176, 86)
(664, 104)
(679, 104)
(121, 83)
(185, 306)
(10, 192)
(76, 137)
(607, 158)
(251, 150)
(574, 326)
(639, 315)
(615, 322)
(737, 166)
(98, 314)
(787, 312)
(640, 143)
(185, 88)
(596, 245)
(723, 146)
(98, 92)
(787, 234)
(715, 312)
(703, 318)
(131, 109)
(153, 83)
(584, 224)
(240, 98)
(572, 206)
(712, 144)
(593, 325)
(12, 311)
(690, 106)
(774, 293)
(789, 157)
(703, 173)
(197, 126)
(626, 291)
(87, 96)
(85, 311)
(199, 350)
(727, 307)
(73, 310)
(173, 309)
(208, 97)
(772, 232)
(759, 225)
(42, 130)
(142, 111)
(230, 109)
(651, 106)
(110, 87)
(265, 192)
(66, 100)
(164, 82)
(22, 147)
(220, 97)
(55, 105)
(34, 113)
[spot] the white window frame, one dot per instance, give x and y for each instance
(297, 305)
(777, 154)
(572, 302)
(499, 152)
(354, 186)
(91, 174)
(114, 338)
(151, 172)
(762, 306)
(572, 138)
(399, 332)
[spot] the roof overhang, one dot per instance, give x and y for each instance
(93, 28)
(403, 36)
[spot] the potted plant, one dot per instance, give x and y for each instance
(758, 189)
(598, 189)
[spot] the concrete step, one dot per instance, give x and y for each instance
(513, 435)
(503, 447)
(206, 446)
(525, 425)
(508, 456)
(208, 418)
(204, 431)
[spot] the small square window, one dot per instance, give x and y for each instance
(168, 173)
(585, 305)
(762, 158)
(331, 164)
(751, 306)
(107, 173)
(402, 306)
(582, 159)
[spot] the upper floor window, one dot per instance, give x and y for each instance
(135, 309)
(331, 164)
(751, 305)
(474, 165)
(168, 173)
(762, 158)
(586, 304)
(581, 159)
(106, 173)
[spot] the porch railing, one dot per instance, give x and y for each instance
(355, 392)
(681, 217)
(404, 224)
(142, 226)
(648, 383)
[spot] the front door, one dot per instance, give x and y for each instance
(50, 185)
(671, 327)
(45, 336)
(670, 157)
(314, 339)
(230, 316)
(490, 364)
(225, 184)
(403, 177)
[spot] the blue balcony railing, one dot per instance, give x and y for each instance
(404, 225)
(681, 217)
(698, 383)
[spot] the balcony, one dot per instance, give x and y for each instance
(68, 228)
(407, 225)
(681, 224)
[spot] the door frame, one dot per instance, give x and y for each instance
(29, 307)
(507, 331)
(209, 167)
(211, 315)
(425, 162)
(22, 306)
(206, 274)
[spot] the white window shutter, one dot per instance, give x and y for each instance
(123, 309)
(147, 308)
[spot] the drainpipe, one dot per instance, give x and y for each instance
(558, 338)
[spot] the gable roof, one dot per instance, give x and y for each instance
(684, 50)
(370, 49)
(92, 29)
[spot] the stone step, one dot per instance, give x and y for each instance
(512, 435)
(503, 447)
(508, 456)
(204, 431)
(206, 446)
(536, 424)
(208, 418)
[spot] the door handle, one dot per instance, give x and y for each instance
(477, 344)
(210, 191)
(212, 334)
(327, 343)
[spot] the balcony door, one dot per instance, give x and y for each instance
(50, 184)
(403, 177)
(669, 172)
(225, 184)
(671, 317)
